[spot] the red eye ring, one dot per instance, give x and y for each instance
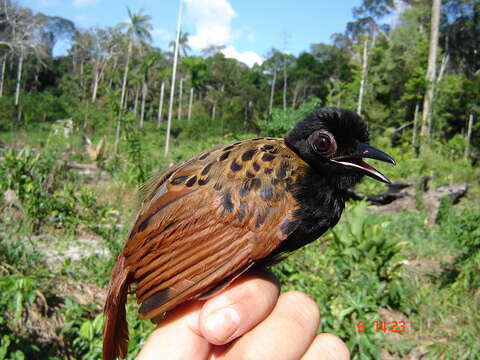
(323, 143)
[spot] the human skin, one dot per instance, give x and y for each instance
(248, 320)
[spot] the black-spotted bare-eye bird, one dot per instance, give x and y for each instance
(204, 222)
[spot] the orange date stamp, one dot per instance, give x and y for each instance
(386, 327)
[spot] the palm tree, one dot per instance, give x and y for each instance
(183, 46)
(138, 29)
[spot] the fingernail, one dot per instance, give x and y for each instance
(222, 324)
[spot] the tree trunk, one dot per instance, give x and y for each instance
(415, 129)
(469, 137)
(443, 67)
(214, 110)
(19, 78)
(135, 102)
(272, 91)
(95, 85)
(160, 105)
(284, 83)
(245, 116)
(180, 99)
(174, 72)
(85, 118)
(117, 134)
(2, 74)
(364, 76)
(190, 103)
(82, 79)
(144, 96)
(431, 72)
(125, 75)
(296, 91)
(114, 67)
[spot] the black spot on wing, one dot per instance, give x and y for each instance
(179, 180)
(256, 167)
(227, 201)
(224, 156)
(282, 170)
(266, 193)
(203, 181)
(248, 185)
(248, 155)
(207, 168)
(256, 183)
(268, 171)
(235, 166)
(143, 225)
(204, 156)
(250, 175)
(289, 185)
(230, 147)
(191, 181)
(155, 301)
(242, 210)
(261, 218)
(268, 157)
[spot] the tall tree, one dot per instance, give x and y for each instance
(174, 73)
(22, 28)
(431, 71)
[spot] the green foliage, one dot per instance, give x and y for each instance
(462, 228)
(18, 291)
(5, 353)
(283, 120)
(134, 149)
(83, 330)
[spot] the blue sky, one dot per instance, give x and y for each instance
(248, 29)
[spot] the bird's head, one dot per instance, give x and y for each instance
(335, 142)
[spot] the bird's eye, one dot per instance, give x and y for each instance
(323, 143)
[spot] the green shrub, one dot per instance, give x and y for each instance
(282, 121)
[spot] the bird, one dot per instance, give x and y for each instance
(204, 222)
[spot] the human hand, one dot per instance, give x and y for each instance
(271, 326)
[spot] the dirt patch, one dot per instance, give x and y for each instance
(75, 250)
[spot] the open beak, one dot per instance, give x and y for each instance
(356, 161)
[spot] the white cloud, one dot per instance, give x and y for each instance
(83, 3)
(248, 57)
(211, 20)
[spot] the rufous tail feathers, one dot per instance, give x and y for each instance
(115, 330)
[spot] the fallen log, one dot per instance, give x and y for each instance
(87, 167)
(403, 196)
(89, 170)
